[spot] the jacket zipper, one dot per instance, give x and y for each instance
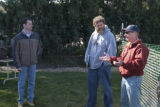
(30, 50)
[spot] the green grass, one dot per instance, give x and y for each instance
(65, 89)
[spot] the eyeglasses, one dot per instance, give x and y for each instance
(129, 32)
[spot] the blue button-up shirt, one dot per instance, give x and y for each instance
(28, 35)
(98, 44)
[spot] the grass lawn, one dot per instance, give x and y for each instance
(58, 89)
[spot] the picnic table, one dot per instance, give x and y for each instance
(7, 61)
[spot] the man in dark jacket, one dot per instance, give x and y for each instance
(27, 47)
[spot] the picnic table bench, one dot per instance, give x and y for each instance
(7, 61)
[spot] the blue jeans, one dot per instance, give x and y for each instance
(95, 76)
(130, 91)
(29, 71)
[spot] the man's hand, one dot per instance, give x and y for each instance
(105, 58)
(19, 69)
(118, 63)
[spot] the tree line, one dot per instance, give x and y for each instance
(65, 26)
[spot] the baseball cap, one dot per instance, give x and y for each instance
(131, 28)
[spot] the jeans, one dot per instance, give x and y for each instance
(130, 91)
(30, 72)
(95, 76)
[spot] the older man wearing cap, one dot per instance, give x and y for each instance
(131, 64)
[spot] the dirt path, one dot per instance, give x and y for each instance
(56, 69)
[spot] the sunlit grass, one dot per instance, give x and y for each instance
(65, 89)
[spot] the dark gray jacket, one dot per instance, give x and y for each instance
(26, 50)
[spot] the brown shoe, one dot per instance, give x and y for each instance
(20, 105)
(31, 103)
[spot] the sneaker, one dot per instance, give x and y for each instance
(31, 103)
(20, 105)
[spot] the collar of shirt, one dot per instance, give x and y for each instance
(130, 45)
(28, 35)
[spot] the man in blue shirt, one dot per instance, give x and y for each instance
(102, 40)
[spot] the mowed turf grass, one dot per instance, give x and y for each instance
(58, 89)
